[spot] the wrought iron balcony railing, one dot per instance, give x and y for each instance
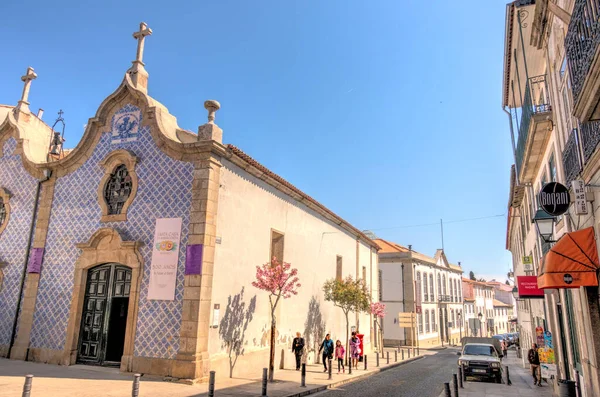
(535, 100)
(590, 137)
(581, 41)
(571, 158)
(444, 298)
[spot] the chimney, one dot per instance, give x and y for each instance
(410, 247)
(459, 264)
(40, 113)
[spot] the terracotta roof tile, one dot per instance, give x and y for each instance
(389, 247)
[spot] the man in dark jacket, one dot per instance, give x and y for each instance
(298, 349)
(534, 362)
(327, 347)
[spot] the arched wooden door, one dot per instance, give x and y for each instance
(104, 316)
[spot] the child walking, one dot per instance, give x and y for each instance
(340, 354)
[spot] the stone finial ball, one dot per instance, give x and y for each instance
(212, 104)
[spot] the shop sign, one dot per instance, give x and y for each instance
(581, 205)
(554, 198)
(528, 287)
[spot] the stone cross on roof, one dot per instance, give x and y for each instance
(138, 74)
(140, 36)
(23, 105)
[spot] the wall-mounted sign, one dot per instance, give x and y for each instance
(581, 205)
(165, 256)
(528, 287)
(35, 260)
(216, 316)
(528, 260)
(554, 198)
(193, 259)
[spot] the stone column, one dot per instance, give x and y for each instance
(193, 360)
(21, 346)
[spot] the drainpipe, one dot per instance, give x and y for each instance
(47, 174)
(512, 141)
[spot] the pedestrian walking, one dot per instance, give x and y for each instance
(340, 355)
(298, 349)
(534, 363)
(327, 348)
(504, 348)
(354, 350)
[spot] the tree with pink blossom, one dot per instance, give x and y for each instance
(281, 282)
(378, 311)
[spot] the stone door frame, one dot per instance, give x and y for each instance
(104, 246)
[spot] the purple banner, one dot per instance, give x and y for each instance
(193, 259)
(35, 260)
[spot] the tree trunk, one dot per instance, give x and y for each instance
(272, 348)
(347, 338)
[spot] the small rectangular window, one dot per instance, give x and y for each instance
(552, 167)
(338, 268)
(364, 274)
(277, 245)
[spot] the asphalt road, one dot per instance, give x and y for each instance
(421, 378)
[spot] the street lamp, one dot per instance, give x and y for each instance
(515, 293)
(544, 223)
(480, 316)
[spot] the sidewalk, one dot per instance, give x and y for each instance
(87, 381)
(522, 383)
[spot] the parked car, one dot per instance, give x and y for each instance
(481, 357)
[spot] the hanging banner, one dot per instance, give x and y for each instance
(165, 256)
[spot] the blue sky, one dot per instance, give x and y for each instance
(388, 112)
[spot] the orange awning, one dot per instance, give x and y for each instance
(572, 262)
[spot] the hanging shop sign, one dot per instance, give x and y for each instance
(528, 287)
(165, 257)
(581, 205)
(528, 263)
(554, 198)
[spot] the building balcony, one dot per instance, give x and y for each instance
(444, 298)
(534, 128)
(571, 158)
(582, 43)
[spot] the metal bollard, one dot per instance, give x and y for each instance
(455, 381)
(414, 352)
(211, 384)
(395, 356)
(377, 359)
(460, 377)
(408, 350)
(402, 351)
(447, 389)
(303, 378)
(577, 383)
(508, 382)
(350, 367)
(418, 352)
(330, 365)
(365, 360)
(264, 383)
(135, 390)
(27, 385)
(387, 357)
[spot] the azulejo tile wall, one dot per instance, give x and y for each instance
(165, 190)
(13, 241)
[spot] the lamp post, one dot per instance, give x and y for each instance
(544, 224)
(480, 316)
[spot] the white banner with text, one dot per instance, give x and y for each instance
(165, 256)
